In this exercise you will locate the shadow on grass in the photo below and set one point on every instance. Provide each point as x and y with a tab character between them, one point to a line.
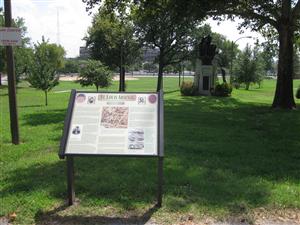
45	118
53	217
30	106
220	153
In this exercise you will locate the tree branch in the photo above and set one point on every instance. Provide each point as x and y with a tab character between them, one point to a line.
296	12
246	15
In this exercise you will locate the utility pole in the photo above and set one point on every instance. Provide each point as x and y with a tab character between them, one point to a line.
57	27
11	78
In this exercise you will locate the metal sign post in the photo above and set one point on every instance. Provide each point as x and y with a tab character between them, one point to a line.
107	104
70	174
14	125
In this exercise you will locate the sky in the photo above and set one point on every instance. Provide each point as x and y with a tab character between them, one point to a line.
42	16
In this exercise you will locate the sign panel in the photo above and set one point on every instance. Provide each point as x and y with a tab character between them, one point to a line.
113	124
10	36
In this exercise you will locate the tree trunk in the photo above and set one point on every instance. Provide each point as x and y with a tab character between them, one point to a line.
247	86
46	98
0	79
179	78
223	75
122	79
97	87
160	77
284	97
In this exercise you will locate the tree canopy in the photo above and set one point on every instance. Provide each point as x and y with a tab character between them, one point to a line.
42	74
272	18
280	18
160	25
95	73
111	40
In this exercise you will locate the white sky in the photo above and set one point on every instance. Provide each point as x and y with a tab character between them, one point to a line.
41	19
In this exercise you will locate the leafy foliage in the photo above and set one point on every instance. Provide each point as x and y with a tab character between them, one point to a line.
187	88
223	90
248	67
72	66
42	74
297	64
22	54
159	24
298	93
23	59
226	50
111	40
150	67
95	73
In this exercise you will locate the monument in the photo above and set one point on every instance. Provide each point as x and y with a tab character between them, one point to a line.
205	70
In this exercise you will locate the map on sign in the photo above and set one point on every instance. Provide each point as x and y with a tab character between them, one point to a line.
10	36
114	124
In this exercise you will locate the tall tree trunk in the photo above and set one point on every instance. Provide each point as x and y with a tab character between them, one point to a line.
223	75
247	86
122	79
46	98
97	87
179	78
160	69
160	77
284	97
0	79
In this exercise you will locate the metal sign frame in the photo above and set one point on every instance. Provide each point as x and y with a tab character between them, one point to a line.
70	156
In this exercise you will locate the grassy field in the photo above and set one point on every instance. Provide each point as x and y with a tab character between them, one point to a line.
224	157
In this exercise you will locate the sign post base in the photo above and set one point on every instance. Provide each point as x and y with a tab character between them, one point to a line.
160	181
70	174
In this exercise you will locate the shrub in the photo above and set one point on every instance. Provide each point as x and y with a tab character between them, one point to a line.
298	93
188	89
223	90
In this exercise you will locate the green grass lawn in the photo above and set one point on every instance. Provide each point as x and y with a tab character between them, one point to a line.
223	156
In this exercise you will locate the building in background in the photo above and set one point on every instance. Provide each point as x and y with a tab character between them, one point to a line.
84	53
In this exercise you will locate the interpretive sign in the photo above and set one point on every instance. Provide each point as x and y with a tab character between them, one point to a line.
10	36
113	124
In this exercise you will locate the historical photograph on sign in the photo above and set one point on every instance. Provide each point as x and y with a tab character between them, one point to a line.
76	131
80	98
136	139
91	100
114	117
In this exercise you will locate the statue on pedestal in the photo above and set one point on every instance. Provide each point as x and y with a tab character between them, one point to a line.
205	69
206	51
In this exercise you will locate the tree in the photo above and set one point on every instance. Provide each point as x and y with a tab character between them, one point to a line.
23	59
280	16
268	55
150	67
95	73
71	66
111	40
42	74
22	54
248	67
159	24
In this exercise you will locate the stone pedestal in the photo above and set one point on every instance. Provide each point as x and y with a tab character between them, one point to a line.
204	78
